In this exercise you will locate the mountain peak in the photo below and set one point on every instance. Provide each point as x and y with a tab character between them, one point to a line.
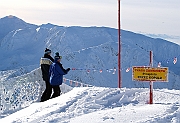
12	21
10	16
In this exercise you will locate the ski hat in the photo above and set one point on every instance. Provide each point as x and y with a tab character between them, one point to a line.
57	56
47	51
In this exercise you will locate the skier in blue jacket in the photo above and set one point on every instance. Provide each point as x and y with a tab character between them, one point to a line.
56	73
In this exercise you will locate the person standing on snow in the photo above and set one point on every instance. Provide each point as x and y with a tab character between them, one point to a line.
56	73
45	63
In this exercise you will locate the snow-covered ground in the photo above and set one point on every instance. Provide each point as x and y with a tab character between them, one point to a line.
103	105
20	103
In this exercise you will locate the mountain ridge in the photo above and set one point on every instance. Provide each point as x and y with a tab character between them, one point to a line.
93	48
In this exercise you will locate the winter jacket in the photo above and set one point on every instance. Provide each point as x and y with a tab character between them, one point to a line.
56	73
45	63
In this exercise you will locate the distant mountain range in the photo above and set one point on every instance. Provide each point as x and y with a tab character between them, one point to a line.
90	51
172	38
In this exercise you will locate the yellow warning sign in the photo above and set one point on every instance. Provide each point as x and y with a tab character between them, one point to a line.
150	74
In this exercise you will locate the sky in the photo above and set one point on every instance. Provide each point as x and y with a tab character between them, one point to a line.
145	16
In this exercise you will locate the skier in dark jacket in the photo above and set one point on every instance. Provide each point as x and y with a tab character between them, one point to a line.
56	73
45	63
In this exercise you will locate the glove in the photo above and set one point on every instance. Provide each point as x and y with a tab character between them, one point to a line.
68	69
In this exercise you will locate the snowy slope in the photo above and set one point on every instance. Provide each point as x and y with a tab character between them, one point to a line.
103	105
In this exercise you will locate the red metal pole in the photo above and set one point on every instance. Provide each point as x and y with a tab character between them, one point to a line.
151	83
119	47
151	93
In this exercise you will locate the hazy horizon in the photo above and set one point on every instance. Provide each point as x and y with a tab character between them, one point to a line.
153	17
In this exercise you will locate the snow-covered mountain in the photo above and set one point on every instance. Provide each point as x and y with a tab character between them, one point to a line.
172	38
91	53
88	50
12	23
